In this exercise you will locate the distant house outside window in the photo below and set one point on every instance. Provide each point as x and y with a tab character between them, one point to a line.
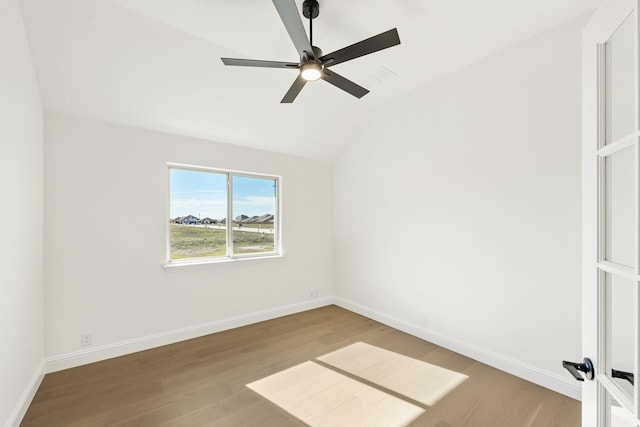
217	214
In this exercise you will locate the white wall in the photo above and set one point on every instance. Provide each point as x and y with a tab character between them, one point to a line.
460	203
21	217
105	219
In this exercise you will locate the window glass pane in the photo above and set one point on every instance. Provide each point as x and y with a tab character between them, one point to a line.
621	81
618	416
620	207
254	210
198	206
621	295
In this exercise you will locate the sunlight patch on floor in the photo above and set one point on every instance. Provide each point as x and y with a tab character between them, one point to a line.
322	397
415	379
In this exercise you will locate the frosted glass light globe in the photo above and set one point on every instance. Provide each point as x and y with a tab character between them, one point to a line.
311	71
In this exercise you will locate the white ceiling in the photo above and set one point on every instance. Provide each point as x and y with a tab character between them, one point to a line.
156	63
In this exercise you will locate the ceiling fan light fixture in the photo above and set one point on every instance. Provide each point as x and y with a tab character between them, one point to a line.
311	71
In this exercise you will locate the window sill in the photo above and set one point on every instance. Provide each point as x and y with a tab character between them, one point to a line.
171	267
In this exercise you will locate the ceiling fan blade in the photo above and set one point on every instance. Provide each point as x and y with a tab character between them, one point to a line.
258	63
345	84
372	44
294	90
290	16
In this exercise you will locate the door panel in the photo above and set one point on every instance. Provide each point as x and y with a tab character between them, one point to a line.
610	215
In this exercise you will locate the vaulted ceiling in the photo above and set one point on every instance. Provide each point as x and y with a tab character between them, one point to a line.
156	63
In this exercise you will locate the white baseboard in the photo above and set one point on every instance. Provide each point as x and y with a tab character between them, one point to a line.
522	370
83	357
27	396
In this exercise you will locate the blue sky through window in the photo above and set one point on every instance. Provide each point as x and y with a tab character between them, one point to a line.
203	194
253	196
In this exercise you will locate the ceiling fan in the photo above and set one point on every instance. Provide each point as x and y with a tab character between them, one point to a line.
313	64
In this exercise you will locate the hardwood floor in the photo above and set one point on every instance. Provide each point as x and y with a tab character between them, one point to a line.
201	382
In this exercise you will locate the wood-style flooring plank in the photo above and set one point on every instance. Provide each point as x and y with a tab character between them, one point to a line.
202	382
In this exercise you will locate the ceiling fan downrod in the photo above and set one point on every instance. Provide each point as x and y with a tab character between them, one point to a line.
311	10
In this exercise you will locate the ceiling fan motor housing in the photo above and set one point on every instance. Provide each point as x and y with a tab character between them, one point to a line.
310	9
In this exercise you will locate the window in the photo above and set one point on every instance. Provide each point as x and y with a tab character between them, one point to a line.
217	214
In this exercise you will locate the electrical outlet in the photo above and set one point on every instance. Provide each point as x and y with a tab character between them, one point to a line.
313	294
86	339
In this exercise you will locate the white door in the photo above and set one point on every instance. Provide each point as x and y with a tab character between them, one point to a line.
610	215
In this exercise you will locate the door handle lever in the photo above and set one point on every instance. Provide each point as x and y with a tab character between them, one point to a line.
623	375
575	368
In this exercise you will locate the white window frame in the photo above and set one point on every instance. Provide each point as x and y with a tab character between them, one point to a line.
230	256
